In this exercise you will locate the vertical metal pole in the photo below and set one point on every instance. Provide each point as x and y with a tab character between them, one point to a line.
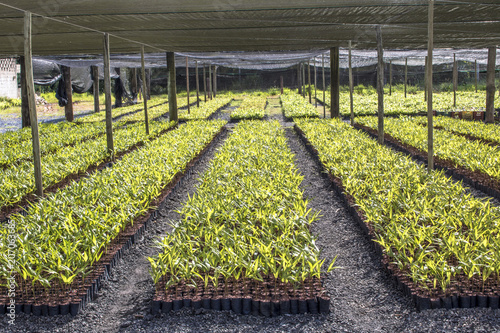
430	125
380	86
490	85
187	84
30	85
197	86
455	80
107	91
406	74
309	80
205	82
334	82
95	84
145	100
324	84
172	87
351	86
281	84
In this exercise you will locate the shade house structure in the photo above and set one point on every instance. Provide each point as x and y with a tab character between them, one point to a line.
251	35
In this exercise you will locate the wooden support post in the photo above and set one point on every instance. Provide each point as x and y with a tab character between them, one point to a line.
324	84
406	74
425	80
315	84
455	80
187	83
299	79
309	81
149	84
390	77
95	85
30	89
118	93
210	88
334	82
281	84
430	125
214	88
475	72
304	92
143	72
107	92
205	82
239	79
172	88
197	86
25	109
490	85
68	108
380	85
351	86
134	83
208	85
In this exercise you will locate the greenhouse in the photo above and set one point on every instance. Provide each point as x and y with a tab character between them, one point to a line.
235	166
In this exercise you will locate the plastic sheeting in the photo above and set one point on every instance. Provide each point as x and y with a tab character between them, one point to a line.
47	72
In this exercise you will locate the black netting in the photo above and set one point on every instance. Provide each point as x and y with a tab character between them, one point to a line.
247	70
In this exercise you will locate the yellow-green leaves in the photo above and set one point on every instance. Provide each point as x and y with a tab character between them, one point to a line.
427	225
252	107
295	106
247	218
66	233
471	154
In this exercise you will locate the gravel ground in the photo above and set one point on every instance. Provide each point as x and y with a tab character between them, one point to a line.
362	297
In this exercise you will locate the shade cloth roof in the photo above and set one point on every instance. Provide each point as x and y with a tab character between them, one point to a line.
237	25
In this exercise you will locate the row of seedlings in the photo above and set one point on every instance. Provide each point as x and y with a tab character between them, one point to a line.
440	243
52	138
206	110
123	111
252	107
295	106
472	160
65	244
243	242
488	133
154	112
17	182
366	102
